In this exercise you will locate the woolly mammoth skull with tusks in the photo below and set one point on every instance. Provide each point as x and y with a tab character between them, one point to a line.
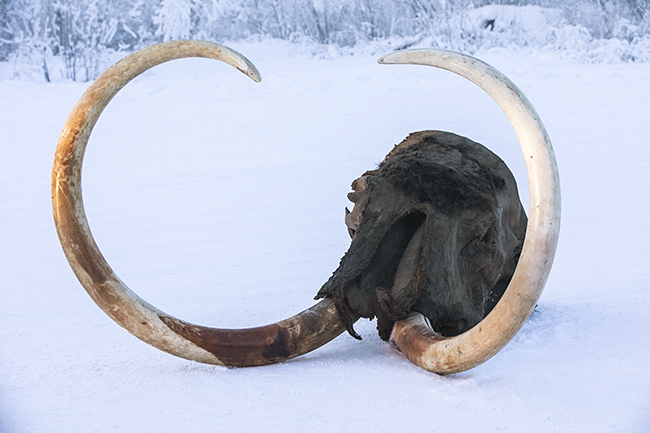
437	231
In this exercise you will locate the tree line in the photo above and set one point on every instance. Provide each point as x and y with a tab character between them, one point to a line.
79	33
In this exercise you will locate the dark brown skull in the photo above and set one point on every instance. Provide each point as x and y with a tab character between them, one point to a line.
437	229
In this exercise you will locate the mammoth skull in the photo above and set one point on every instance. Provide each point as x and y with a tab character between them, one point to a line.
437	232
437	228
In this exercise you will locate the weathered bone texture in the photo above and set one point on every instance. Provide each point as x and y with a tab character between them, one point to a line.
412	336
437	229
232	347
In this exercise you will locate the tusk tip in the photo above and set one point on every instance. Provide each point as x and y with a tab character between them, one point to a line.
254	75
249	70
396	57
385	59
241	63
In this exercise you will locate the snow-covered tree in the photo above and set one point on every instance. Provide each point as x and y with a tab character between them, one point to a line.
175	19
80	33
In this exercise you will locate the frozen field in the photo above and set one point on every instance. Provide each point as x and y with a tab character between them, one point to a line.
220	201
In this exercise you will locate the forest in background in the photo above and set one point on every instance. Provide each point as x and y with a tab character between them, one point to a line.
76	39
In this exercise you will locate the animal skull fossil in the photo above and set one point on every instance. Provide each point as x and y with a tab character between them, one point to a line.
437	228
492	229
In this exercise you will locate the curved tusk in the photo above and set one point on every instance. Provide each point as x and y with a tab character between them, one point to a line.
454	354
232	347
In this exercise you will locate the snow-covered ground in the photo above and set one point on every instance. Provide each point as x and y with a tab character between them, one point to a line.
221	202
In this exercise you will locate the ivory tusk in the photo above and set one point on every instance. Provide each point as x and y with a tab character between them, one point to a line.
454	354
232	347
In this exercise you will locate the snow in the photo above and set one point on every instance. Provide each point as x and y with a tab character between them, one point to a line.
220	201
